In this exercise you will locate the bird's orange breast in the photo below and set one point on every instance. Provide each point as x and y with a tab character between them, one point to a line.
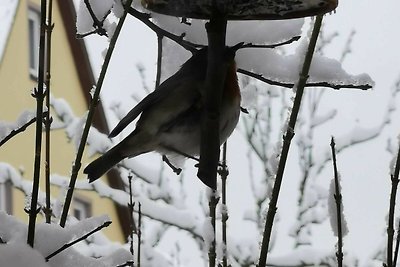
231	89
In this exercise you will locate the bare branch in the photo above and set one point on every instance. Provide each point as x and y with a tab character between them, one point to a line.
70	244
145	18
390	228
250	45
19	130
313	84
338	200
287	141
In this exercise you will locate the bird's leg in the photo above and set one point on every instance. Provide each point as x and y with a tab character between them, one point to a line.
174	169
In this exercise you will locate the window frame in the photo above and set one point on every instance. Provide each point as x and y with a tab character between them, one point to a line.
83	205
6	197
33	40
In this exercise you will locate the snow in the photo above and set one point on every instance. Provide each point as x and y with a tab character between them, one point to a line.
7	127
208	233
20	254
50	237
262	32
7	14
332	208
270	63
285	68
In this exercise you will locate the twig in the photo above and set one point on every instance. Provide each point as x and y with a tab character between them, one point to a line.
390	229
128	263
224	175
313	84
48	121
144	17
97	24
70	244
338	200
159	59
212	205
287	141
250	45
396	251
19	130
131	205
93	105
39	95
139	234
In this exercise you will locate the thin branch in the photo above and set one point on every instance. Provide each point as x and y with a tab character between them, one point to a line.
128	263
260	77
19	130
212	255
97	24
338	200
48	121
131	205
159	59
92	108
396	251
287	141
39	95
390	229
139	234
70	244
250	45
145	18
224	175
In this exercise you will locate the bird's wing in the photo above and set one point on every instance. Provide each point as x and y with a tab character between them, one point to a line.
151	99
133	113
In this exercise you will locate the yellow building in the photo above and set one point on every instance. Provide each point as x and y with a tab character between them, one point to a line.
71	79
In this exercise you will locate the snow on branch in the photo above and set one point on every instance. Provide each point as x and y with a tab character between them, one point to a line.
165	213
282	70
50	236
9	130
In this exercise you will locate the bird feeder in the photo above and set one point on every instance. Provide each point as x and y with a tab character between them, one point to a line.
218	12
242	9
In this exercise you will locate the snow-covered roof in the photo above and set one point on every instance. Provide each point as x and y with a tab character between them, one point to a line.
7	15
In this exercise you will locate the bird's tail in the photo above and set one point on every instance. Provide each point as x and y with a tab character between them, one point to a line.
101	165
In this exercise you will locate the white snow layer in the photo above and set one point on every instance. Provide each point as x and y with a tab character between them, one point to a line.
269	62
7	127
48	238
7	14
20	254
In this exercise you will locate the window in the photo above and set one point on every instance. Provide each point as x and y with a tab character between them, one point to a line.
5	197
82	208
34	35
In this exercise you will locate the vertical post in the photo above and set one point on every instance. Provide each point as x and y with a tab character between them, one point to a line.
39	95
224	215
49	29
215	78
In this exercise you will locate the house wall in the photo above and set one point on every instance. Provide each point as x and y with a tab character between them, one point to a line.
15	89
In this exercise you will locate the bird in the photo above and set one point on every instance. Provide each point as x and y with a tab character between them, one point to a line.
170	116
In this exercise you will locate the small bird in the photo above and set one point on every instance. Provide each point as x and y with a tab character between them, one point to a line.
170	120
